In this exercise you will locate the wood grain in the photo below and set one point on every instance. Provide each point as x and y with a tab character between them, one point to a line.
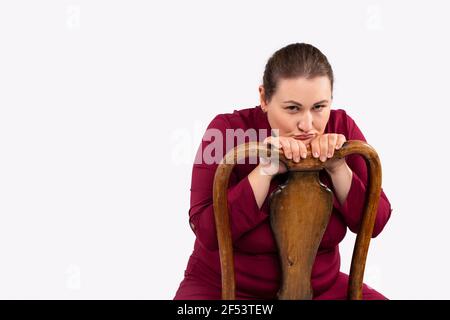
300	210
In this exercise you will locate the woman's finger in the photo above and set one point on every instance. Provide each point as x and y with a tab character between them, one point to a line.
332	140
295	150
315	147
303	149
340	141
286	148
323	141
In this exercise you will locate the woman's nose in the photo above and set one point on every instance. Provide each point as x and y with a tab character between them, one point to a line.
305	123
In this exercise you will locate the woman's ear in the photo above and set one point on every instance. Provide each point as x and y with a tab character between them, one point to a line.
262	98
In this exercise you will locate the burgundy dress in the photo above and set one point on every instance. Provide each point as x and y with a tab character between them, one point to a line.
256	261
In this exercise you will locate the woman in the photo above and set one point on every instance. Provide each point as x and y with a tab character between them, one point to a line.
296	98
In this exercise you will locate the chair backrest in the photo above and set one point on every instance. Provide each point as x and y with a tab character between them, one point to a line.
299	214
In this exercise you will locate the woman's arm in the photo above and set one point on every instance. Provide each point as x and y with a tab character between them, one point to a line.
244	199
349	185
341	178
260	183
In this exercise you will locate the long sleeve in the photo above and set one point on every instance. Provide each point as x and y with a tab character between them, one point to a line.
352	208
242	205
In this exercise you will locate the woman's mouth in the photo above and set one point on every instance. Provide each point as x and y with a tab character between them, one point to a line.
304	136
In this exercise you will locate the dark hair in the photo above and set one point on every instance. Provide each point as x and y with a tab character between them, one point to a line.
292	61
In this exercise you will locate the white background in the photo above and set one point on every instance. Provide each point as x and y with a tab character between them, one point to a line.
103	103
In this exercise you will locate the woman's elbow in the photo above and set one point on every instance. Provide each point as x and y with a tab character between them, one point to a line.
206	237
381	221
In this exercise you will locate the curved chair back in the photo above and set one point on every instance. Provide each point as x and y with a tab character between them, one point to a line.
299	213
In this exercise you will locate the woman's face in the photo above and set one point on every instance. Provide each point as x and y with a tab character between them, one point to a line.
299	106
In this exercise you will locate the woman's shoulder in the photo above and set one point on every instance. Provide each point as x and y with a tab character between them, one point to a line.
340	122
239	119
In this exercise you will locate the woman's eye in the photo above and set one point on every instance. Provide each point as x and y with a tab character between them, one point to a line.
292	108
319	107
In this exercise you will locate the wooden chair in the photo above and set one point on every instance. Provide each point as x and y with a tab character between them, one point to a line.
299	214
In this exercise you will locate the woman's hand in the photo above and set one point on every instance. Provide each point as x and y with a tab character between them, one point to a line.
292	149
323	147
